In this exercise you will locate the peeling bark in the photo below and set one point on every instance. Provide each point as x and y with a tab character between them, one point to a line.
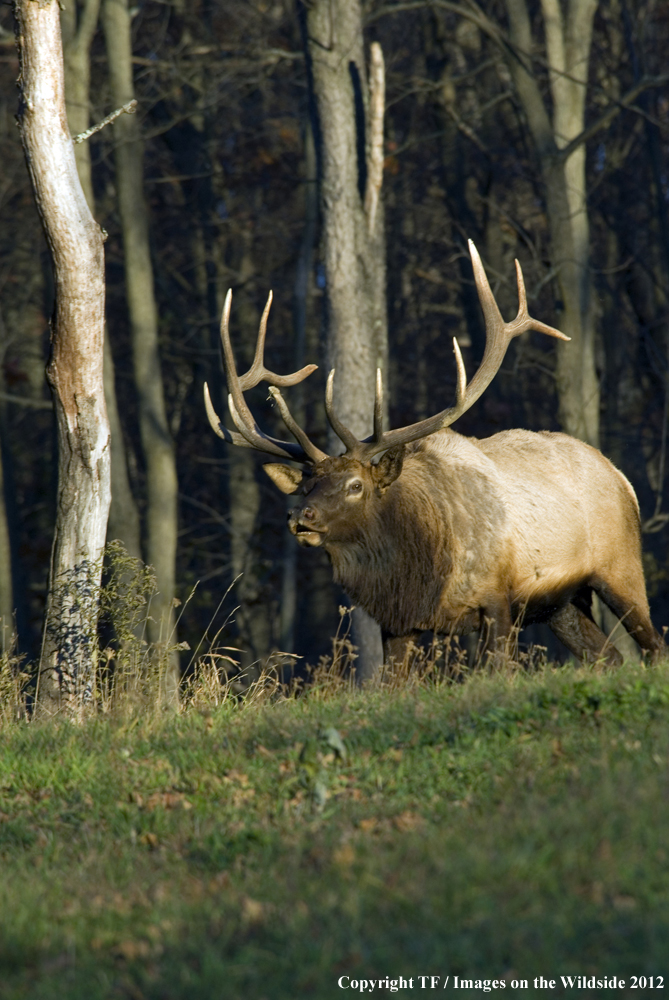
75	369
77	37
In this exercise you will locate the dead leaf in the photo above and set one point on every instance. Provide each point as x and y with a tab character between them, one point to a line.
167	800
408	821
344	856
604	851
233	775
242	795
253	911
368	825
220	881
132	950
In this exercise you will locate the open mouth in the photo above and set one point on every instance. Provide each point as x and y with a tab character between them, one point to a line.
308	536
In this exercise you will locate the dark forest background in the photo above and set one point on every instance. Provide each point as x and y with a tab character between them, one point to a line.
230	178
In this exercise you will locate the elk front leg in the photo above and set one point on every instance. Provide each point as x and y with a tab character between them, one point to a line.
397	647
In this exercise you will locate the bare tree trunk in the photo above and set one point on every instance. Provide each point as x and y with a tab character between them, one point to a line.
254	615
123	513
6	587
568	40
349	131
74	370
157	444
77	37
301	297
7	557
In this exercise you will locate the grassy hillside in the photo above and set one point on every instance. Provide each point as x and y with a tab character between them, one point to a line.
504	827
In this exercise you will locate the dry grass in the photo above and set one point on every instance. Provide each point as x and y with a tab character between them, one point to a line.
130	670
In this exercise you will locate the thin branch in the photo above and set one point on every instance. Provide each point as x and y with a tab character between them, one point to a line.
36	404
129	109
467	130
477	17
608	116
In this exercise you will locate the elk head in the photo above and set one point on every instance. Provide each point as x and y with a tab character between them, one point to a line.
339	493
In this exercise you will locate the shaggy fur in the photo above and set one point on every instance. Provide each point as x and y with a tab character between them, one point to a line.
451	531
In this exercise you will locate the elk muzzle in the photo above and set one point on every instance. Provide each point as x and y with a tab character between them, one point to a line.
304	524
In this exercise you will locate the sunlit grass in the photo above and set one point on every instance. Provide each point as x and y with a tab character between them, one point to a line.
509	825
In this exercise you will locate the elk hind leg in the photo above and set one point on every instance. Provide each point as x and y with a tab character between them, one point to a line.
622	597
582	637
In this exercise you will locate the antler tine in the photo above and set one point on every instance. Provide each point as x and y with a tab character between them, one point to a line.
257	373
343	433
493	317
498	337
498	334
250	434
523	320
255	438
309	448
462	374
234	383
378	406
247	439
218	426
256	370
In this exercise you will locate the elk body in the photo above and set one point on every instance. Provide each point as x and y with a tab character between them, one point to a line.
456	534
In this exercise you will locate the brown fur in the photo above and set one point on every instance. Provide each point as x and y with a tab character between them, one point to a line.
451	531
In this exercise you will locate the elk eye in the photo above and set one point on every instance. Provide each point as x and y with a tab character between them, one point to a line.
355	487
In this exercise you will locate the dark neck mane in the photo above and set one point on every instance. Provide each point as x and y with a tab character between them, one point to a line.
398	567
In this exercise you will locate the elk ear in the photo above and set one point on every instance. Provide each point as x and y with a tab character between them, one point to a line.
388	468
283	476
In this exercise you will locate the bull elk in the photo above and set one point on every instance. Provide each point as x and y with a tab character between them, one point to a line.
454	534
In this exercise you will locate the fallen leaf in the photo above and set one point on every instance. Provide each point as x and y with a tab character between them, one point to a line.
344	856
408	821
369	824
131	950
252	910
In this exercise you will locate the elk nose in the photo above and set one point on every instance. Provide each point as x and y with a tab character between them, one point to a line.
308	513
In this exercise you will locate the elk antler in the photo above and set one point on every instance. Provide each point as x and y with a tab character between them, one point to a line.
498	337
250	435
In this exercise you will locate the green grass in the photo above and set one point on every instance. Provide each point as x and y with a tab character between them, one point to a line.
505	827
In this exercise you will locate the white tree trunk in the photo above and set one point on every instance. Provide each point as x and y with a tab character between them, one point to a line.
75	369
78	31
